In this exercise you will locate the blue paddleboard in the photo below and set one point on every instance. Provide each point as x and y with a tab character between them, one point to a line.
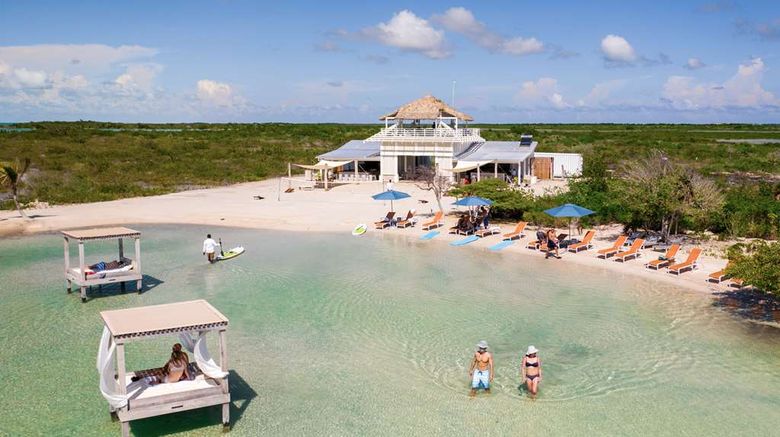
501	245
429	235
467	240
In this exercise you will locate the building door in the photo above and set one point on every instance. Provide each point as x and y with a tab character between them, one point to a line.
543	168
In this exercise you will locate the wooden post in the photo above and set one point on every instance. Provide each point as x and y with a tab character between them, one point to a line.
495	169
82	269
326	178
121	248
478	176
139	284
289	170
66	244
120	372
356	170
223	363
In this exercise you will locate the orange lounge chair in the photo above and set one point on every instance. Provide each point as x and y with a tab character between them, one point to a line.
688	264
435	223
407	221
584	244
719	276
605	253
388	220
668	258
632	251
482	233
736	282
517	233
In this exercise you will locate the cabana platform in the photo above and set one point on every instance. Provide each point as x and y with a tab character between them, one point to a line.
190	321
126	270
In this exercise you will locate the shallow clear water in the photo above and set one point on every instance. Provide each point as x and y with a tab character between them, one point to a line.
335	335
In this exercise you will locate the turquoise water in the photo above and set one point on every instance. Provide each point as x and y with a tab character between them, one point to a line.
335	335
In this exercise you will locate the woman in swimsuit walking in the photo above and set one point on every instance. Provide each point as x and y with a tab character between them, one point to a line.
531	370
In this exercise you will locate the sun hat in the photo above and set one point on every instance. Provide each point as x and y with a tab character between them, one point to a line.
482	344
531	350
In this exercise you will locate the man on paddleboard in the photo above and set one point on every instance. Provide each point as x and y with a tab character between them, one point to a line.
209	248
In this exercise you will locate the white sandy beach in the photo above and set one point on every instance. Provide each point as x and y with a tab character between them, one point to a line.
336	210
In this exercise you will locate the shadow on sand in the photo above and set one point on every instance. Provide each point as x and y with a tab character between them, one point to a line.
749	304
241	394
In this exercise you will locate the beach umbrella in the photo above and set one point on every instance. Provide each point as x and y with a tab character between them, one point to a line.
390	195
473	201
569	210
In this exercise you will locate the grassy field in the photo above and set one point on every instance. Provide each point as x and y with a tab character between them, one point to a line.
90	161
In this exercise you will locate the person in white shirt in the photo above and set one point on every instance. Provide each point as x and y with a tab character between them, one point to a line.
209	248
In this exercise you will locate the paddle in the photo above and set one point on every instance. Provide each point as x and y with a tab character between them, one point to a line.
221	252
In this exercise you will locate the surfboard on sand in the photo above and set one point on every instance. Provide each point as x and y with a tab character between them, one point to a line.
360	229
501	245
429	235
465	241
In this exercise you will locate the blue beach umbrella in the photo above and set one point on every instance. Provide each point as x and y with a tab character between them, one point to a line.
569	210
390	195
473	201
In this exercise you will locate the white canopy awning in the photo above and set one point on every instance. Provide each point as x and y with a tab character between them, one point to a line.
323	165
468	165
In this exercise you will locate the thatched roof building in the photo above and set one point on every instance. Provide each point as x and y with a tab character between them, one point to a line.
426	108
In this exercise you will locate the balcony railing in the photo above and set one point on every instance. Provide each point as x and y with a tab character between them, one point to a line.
394	133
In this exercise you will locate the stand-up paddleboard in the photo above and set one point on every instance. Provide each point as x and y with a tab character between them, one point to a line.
230	254
465	241
429	235
360	230
501	245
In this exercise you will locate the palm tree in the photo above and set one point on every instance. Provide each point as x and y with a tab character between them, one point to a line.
10	176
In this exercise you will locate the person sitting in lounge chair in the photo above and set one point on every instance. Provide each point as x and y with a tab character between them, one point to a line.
459	225
541	240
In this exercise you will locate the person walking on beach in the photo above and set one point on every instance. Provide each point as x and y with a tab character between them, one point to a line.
481	369
210	248
531	370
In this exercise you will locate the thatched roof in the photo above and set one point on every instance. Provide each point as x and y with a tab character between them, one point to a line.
426	108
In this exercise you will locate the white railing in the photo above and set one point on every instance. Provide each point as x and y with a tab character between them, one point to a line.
394	133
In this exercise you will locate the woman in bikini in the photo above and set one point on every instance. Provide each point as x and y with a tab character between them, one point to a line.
531	370
176	369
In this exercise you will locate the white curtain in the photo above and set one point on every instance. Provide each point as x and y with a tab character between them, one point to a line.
200	350
109	386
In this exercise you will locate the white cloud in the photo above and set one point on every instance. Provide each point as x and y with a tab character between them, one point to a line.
408	32
217	94
743	90
616	49
694	64
601	92
542	93
462	20
138	77
78	57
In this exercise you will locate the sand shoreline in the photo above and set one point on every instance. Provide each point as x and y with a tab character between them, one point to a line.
334	211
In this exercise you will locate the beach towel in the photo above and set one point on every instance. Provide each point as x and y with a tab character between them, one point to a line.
429	235
501	245
467	240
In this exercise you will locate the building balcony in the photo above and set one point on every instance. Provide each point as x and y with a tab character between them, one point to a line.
437	134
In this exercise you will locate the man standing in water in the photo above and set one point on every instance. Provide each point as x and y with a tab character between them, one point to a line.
209	248
481	369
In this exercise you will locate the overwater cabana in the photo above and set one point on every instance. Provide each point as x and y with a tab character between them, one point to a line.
122	270
191	322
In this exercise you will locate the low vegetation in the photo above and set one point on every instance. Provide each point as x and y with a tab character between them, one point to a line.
756	264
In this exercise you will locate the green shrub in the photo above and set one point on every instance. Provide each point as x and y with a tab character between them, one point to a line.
757	264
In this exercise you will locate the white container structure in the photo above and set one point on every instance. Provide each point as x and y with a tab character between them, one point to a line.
84	277
191	322
564	165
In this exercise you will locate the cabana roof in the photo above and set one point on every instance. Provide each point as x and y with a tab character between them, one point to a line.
355	150
426	108
196	315
497	151
101	233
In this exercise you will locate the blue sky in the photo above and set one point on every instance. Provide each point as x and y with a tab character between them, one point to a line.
347	61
